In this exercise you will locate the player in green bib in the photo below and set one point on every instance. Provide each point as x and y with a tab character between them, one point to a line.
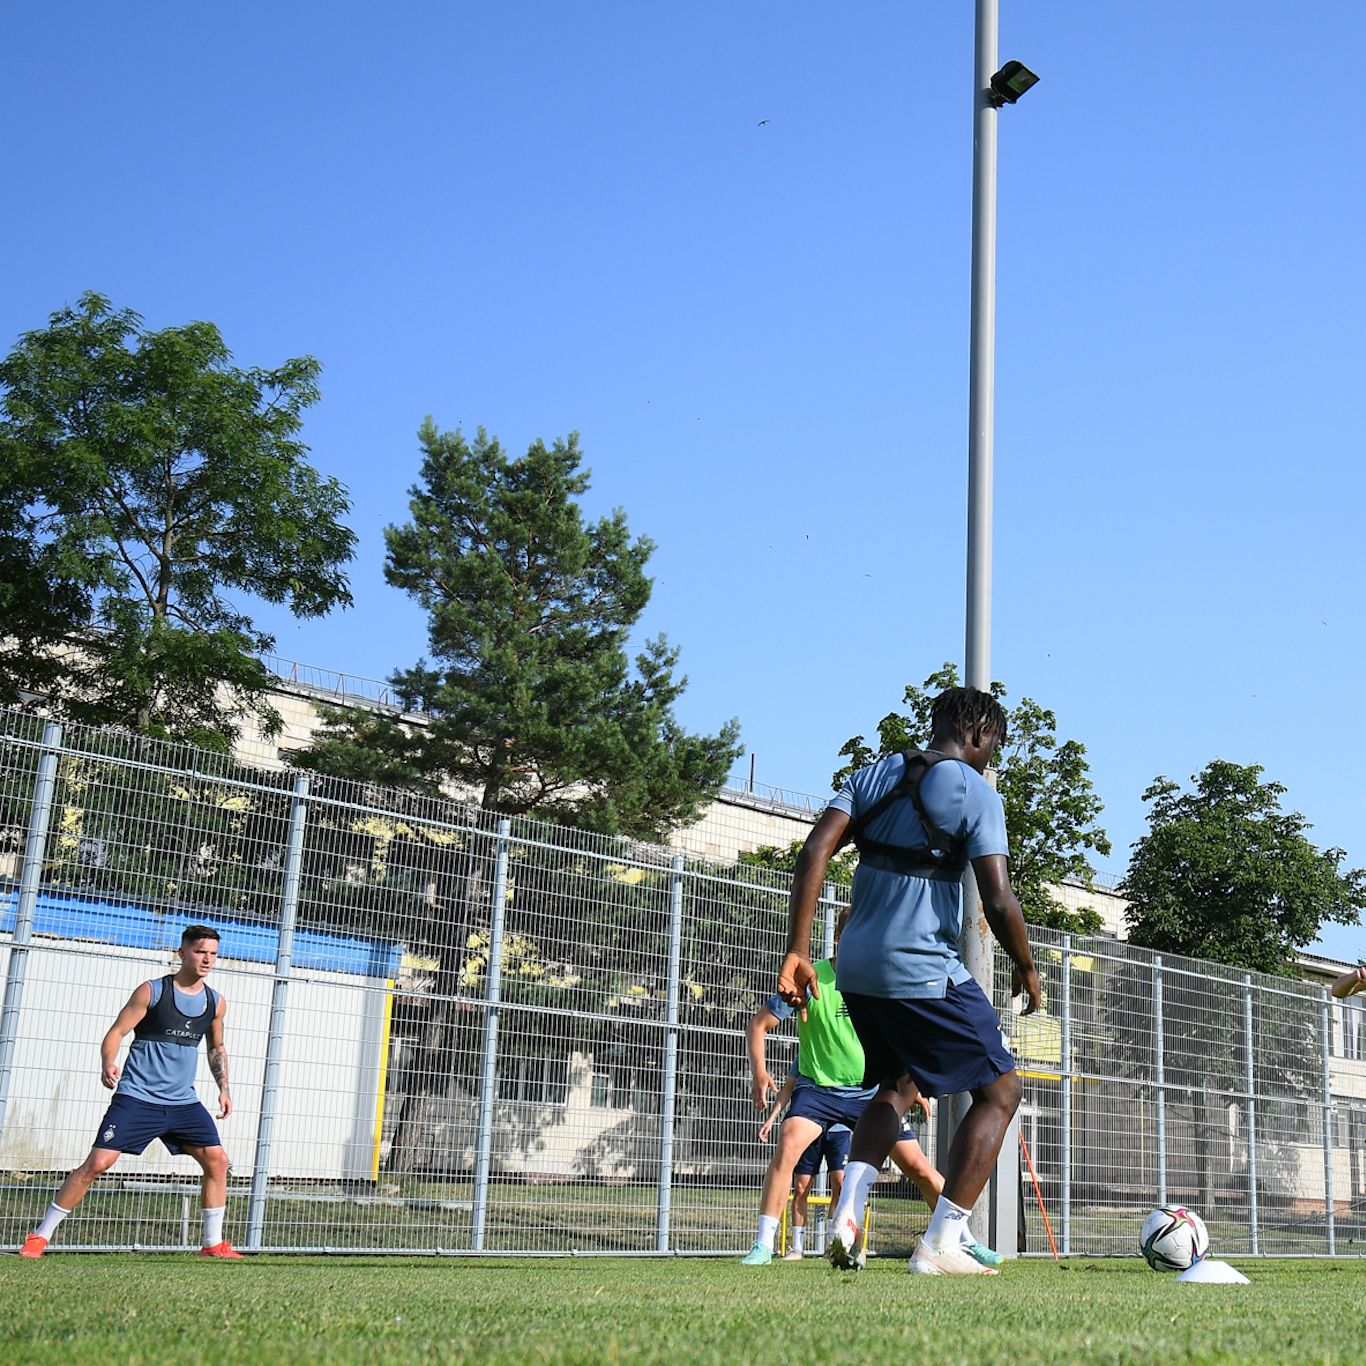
827	1091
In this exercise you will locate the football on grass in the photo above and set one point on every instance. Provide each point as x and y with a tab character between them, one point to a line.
1174	1238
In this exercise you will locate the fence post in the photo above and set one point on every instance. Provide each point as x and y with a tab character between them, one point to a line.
830	914
668	1097
1065	1067
279	999
1329	1203
1251	1115
488	1078
1160	1052
35	849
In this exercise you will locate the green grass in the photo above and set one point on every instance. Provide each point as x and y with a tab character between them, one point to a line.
143	1309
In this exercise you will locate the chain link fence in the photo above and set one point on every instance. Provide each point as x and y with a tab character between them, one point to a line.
453	1033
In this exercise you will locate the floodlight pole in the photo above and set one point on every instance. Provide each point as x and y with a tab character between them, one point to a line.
997	1208
982	353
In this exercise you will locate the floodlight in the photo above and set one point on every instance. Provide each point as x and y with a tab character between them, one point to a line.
1009	83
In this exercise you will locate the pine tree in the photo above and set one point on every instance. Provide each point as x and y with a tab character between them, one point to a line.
532	701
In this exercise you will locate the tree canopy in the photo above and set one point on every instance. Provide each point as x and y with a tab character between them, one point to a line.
1224	873
1052	810
529	697
147	481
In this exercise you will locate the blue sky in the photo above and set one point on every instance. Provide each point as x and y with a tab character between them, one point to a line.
544	218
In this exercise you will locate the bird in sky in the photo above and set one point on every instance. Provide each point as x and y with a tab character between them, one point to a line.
762	122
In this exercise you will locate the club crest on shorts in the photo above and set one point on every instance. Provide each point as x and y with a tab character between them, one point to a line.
108	1133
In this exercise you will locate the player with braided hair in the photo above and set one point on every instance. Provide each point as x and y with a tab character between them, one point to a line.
918	819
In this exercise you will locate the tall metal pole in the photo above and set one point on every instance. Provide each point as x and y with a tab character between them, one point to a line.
669	1096
35	850
488	1079
982	354
279	1001
1160	1057
997	1208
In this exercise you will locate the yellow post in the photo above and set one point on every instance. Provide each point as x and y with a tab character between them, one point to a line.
826	1200
383	1078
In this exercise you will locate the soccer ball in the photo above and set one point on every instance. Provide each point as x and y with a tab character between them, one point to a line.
1174	1238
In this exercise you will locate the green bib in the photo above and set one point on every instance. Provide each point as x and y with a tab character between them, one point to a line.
828	1050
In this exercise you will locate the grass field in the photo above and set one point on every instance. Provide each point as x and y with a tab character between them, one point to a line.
144	1309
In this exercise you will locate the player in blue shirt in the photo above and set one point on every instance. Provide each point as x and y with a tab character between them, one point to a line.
154	1092
918	819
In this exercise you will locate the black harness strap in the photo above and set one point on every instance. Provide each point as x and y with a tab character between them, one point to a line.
942	859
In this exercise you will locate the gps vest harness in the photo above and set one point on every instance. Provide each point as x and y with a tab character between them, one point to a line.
942	859
165	1022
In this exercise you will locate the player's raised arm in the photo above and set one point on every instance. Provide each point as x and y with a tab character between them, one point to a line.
124	1024
1002	910
218	1059
796	977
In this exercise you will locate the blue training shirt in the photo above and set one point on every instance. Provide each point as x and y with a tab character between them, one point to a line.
164	1073
901	938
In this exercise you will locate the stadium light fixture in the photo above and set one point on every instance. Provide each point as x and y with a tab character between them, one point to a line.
1009	83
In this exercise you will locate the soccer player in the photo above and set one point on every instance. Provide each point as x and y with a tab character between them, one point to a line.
832	1149
917	820
827	1090
154	1093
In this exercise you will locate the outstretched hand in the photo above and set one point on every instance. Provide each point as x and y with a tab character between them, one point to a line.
797	982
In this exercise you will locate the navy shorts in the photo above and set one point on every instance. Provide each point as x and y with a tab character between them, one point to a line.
130	1125
825	1106
944	1045
832	1146
911	1124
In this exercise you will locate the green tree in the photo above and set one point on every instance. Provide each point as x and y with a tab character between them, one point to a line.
151	481
1051	808
531	699
1224	874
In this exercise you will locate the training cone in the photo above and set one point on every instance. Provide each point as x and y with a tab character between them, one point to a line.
1205	1272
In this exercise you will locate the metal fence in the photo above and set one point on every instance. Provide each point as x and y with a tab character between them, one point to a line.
451	1033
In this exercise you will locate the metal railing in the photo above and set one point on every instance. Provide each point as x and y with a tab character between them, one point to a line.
453	1033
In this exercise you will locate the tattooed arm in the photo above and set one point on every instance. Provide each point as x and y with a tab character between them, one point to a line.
218	1059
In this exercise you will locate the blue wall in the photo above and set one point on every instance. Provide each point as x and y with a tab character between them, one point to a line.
66	916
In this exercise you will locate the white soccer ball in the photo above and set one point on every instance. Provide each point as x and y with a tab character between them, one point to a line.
1174	1238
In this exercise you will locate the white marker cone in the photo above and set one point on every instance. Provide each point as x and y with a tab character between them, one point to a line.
1206	1272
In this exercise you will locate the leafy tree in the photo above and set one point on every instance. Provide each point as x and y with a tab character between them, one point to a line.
784	860
531	700
1224	874
1051	808
149	480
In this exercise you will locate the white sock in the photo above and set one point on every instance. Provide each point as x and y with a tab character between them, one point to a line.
213	1225
768	1230
945	1224
54	1216
799	1239
965	1234
858	1181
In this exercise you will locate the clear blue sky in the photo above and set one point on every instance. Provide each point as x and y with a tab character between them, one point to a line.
544	218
